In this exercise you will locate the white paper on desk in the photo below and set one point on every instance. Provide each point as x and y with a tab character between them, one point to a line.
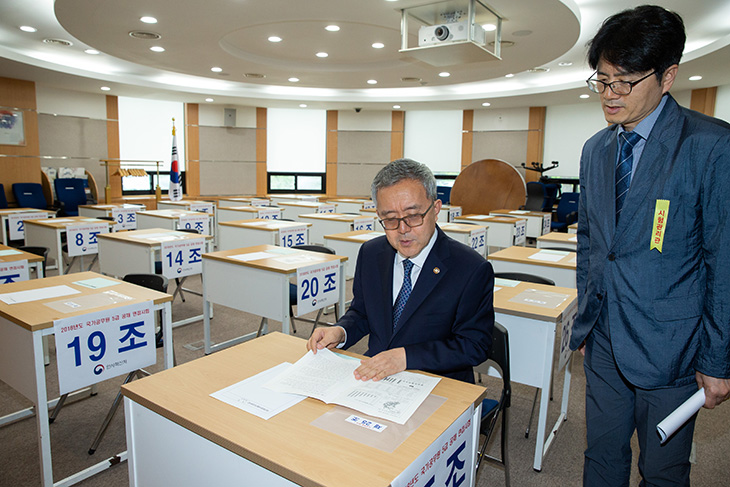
61	220
367	236
249	395
679	416
519	212
148	236
252	256
4	253
328	376
549	255
506	282
298	259
37	294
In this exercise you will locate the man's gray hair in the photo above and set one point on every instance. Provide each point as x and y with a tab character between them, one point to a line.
400	169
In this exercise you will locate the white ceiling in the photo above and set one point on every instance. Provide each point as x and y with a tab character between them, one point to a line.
232	34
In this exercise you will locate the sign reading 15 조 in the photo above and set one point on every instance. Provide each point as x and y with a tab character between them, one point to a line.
293	236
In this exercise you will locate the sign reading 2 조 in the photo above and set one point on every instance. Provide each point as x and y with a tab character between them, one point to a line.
16	223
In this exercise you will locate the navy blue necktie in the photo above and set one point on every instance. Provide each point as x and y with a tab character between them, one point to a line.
404	293
627	141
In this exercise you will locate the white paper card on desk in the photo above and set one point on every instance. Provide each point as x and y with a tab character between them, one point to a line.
543	299
669	425
328	376
97	282
249	395
253	256
506	282
549	255
37	294
4	253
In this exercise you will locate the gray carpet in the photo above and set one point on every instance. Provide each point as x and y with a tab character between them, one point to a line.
76	426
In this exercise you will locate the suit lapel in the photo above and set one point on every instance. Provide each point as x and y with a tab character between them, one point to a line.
385	262
605	182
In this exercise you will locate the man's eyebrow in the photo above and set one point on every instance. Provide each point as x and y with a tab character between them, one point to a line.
412	207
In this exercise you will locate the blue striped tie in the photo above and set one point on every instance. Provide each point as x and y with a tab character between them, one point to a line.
404	293
627	140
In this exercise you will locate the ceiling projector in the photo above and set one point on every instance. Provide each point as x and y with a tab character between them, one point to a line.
431	35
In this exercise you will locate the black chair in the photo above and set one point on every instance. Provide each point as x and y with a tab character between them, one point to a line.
155	282
566	213
518	276
492	409
30	195
3	198
70	193
42	251
535	196
293	293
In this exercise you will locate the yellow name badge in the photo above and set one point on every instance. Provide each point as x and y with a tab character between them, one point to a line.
661	212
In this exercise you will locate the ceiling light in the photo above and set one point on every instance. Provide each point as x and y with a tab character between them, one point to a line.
274	39
372	82
565	64
145	35
396	107
58	42
92	51
585	95
294	80
322	54
510	75
254	75
489	27
28	28
157	49
105	88
302	105
148	20
444	74
378	45
209	100
332	28
486	104
538	70
695	78
216	69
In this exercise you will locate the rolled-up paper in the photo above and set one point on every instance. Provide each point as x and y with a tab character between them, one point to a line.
679	416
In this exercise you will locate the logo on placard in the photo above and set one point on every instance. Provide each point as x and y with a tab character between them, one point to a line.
83	248
314	302
179	270
98	369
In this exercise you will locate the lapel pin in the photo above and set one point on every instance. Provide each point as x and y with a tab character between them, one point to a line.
436	270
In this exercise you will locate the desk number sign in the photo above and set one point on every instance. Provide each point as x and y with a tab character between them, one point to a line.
366	223
82	239
520	232
182	257
97	346
546	220
292	236
259	202
454	212
17	226
326	208
198	221
269	213
202	207
368	205
14	271
478	240
124	219
317	286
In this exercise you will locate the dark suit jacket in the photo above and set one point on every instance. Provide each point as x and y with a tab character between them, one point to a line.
446	326
669	311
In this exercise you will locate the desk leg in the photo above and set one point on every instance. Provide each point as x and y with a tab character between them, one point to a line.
340	309
206	320
41	413
286	316
167	334
59	253
547	368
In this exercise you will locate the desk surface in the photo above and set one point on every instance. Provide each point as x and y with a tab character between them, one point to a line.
156	238
263	224
522	255
502	303
17	255
171	214
186	202
559	237
519	213
287	444
247	208
66	221
335	217
458	227
358	236
306	204
12	211
490	218
110	207
34	316
274	264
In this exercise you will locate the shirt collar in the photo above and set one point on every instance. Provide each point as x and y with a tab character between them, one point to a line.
420	259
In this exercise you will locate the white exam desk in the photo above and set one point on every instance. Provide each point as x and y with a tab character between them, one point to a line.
177	434
241	201
246	233
278	198
295	209
348	244
22	329
533	330
462	232
528	260
169	219
95	211
243	212
329	223
538	222
194	205
558	240
11	254
351	205
6	213
503	231
259	287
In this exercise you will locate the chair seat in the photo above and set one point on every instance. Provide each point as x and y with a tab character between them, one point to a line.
488	407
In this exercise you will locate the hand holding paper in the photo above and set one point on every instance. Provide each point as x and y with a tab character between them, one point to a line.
669	425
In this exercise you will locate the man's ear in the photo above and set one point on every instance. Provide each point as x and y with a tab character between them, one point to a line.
670	74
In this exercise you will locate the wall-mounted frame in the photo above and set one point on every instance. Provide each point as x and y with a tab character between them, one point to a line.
12	129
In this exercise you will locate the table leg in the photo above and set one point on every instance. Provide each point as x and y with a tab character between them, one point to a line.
547	368
286	316
41	410
167	334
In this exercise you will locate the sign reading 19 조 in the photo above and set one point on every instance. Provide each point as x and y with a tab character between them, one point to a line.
317	286
97	346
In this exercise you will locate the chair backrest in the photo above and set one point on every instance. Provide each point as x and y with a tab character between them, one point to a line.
3	198
188	230
535	196
568	204
42	251
70	193
29	195
499	355
316	248
519	276
156	282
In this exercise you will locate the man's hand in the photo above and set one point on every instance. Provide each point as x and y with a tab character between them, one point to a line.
328	337
716	390
382	365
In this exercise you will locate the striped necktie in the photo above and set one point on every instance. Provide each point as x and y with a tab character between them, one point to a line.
627	141
404	293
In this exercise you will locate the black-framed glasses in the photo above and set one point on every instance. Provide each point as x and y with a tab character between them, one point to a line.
618	87
410	220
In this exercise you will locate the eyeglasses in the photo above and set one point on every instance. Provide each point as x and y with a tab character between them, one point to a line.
410	220
618	87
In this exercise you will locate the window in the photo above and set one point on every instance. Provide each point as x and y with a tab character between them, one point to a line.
289	182
147	185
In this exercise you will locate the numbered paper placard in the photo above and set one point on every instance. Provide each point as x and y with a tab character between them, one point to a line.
202	207
81	239
368	205
366	223
520	232
16	223
182	257
124	219
326	208
198	221
317	286
454	212
478	240
269	213
14	271
292	236
259	202
105	344
546	221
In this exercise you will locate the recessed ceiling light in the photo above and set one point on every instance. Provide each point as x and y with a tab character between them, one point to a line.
372	82
157	49
92	51
322	54
489	27
209	100
302	105
105	88
58	42
254	75
274	39
444	74
396	107
486	104
28	28
148	20
332	28
585	95
216	69
510	75
565	64
145	35
294	80
695	78
378	45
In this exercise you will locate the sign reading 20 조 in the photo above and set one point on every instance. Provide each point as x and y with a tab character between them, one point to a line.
317	286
